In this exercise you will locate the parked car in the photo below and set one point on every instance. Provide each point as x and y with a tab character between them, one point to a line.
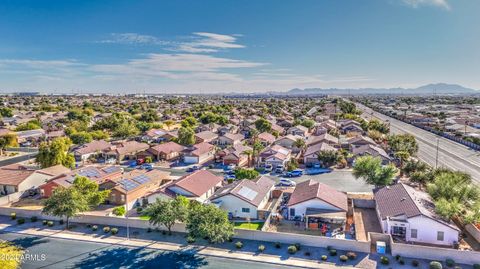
279	169
140	161
110	161
146	166
294	173
286	183
268	168
132	164
192	169
229	177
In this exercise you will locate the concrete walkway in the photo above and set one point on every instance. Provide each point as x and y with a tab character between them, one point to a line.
200	250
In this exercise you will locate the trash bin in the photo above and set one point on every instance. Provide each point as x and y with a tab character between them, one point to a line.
381	247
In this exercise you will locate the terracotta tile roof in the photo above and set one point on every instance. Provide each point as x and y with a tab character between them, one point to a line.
308	190
198	182
201	148
267	137
314	139
318	147
234	137
14	174
206	135
167	148
128	147
250	191
156	132
55	170
92	147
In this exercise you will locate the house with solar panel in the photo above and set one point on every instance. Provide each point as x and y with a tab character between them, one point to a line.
133	186
245	198
97	174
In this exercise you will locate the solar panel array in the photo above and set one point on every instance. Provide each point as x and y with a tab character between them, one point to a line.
142	179
128	184
70	179
111	169
248	193
89	173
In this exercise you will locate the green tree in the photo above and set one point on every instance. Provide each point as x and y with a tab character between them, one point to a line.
448	209
69	202
186	136
403	142
263	125
308	123
300	144
328	157
55	152
242	173
168	212
149	116
119	211
208	221
10	255
371	170
8	140
27	126
6	112
80	138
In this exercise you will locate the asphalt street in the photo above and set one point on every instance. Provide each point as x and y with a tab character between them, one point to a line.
450	154
45	252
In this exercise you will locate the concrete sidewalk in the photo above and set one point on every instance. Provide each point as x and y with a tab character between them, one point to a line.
200	250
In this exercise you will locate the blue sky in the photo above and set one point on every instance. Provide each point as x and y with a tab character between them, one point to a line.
244	46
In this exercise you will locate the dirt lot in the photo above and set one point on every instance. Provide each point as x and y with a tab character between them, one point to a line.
365	221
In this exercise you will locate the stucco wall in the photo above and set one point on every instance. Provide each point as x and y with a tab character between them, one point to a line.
314	203
234	205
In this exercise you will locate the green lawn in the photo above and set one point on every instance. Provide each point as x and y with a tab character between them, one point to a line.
144	217
249	226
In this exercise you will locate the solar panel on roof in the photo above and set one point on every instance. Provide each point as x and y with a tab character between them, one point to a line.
111	169
247	193
70	180
142	179
89	173
128	184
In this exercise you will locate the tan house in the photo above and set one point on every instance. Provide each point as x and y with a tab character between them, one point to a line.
167	151
199	153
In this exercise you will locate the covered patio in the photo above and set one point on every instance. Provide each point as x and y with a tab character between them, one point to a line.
330	223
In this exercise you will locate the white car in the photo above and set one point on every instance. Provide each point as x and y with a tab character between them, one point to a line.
268	168
286	183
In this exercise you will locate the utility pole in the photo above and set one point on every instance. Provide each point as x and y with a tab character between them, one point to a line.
126	208
436	157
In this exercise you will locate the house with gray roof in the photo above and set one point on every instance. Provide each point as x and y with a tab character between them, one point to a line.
409	215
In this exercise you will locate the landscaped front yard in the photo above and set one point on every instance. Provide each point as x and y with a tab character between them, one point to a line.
249	225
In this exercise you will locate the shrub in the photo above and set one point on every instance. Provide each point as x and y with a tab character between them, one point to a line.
13	215
476	266
50	223
114	230
384	260
94	227
106	229
261	248
401	261
297	245
333	252
397	257
324	257
139	210
149	230
450	262
20	221
278	245
34	219
435	265
119	211
61	222
329	248
307	253
292	249
89	226
415	263
44	222
239	244
351	255
343	258
191	239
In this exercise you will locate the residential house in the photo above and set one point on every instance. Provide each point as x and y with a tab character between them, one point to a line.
299	130
205	136
229	139
155	135
234	155
288	142
324	138
314	199
409	215
371	150
94	148
18	178
358	141
310	157
245	198
199	185
97	174
167	151
30	137
125	150
199	153
276	156
266	139
351	127
133	186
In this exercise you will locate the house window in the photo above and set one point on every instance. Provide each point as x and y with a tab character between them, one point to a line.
292	212
245	210
413	233
122	197
440	236
113	196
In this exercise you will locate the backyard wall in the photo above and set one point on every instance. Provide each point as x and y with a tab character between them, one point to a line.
474	231
364	203
11	198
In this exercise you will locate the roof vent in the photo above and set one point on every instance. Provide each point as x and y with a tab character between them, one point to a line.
403	199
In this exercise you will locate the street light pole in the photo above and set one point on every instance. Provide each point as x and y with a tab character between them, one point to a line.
436	156
126	208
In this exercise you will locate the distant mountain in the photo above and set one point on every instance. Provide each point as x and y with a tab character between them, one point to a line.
437	88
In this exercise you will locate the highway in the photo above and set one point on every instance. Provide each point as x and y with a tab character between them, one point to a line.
450	154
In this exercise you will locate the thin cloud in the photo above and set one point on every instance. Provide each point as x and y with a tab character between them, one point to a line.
437	3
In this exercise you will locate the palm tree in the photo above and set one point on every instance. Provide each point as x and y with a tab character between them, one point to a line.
300	144
249	153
